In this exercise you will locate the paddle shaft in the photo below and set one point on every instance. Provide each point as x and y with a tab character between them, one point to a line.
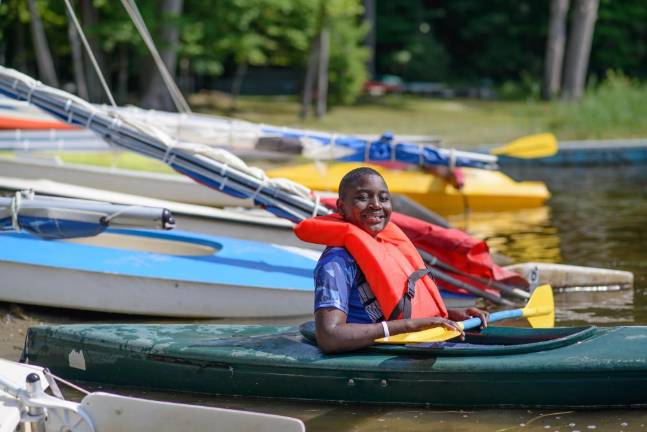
434	261
469	288
496	316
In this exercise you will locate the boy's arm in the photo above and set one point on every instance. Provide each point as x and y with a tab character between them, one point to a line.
335	335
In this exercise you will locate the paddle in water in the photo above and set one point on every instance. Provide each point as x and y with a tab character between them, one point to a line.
539	311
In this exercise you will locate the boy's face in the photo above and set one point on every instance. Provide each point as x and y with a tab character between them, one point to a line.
366	203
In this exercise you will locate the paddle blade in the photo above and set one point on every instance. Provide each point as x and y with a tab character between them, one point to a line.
540	310
529	147
434	334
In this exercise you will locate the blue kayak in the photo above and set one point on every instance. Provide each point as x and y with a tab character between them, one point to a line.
147	272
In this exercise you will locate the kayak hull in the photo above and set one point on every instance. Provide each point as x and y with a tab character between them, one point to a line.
484	190
580	367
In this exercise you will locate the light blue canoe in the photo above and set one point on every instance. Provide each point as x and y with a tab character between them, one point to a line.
589	153
159	273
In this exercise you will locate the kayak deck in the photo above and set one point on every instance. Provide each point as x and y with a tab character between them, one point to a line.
576	367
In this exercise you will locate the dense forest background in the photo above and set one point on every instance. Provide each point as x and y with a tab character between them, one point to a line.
251	45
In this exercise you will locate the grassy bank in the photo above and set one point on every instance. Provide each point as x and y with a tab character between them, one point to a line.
615	109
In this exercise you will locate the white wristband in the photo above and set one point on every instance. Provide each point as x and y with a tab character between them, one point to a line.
386	329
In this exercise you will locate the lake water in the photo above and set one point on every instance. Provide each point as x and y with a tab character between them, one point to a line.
596	217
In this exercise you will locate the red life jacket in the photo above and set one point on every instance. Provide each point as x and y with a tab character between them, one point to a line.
393	268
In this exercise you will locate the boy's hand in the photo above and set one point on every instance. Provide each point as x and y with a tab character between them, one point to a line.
467	313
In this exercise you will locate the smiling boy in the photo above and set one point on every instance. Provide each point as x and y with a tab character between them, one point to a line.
370	281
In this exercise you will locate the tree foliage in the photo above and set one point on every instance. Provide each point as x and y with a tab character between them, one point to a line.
425	40
215	37
498	39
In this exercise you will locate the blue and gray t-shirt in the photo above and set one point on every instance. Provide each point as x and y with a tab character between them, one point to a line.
340	283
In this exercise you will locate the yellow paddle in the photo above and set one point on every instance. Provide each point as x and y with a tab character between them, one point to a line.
540	312
529	147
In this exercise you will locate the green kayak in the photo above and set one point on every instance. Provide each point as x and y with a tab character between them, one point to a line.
501	366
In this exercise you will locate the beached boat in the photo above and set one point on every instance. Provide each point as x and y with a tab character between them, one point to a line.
65	253
241	223
484	190
570	278
70	140
158	273
25	405
212	167
501	366
21	115
588	153
165	186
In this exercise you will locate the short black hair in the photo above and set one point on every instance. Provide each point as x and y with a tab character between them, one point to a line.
352	176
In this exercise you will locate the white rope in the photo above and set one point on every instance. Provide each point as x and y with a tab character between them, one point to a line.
261	185
223	184
67	383
15	210
168	157
452	159
367	150
90	117
88	50
333	141
315	209
32	87
16	204
176	95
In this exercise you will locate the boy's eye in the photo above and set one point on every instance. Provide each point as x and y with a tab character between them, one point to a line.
361	197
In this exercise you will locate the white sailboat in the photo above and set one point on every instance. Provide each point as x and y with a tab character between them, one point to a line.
25	405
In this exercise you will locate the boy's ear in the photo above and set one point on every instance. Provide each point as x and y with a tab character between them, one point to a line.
339	204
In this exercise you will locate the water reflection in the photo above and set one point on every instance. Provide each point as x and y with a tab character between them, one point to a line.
523	235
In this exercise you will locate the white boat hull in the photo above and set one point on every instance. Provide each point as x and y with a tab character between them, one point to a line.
104	292
573	278
154	185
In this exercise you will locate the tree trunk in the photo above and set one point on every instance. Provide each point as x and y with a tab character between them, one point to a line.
241	70
555	43
156	94
90	20
579	48
308	82
185	79
322	75
370	40
44	58
122	72
20	50
77	60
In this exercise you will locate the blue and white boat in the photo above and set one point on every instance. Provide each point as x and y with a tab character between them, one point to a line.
146	272
67	254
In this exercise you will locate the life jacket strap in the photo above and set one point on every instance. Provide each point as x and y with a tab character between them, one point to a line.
404	305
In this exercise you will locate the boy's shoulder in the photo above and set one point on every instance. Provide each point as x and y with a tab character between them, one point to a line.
336	254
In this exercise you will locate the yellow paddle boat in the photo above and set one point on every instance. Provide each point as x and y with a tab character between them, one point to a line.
484	190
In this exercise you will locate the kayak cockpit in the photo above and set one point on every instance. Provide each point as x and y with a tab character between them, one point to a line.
493	340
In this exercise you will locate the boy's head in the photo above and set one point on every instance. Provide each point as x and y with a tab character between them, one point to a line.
364	200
